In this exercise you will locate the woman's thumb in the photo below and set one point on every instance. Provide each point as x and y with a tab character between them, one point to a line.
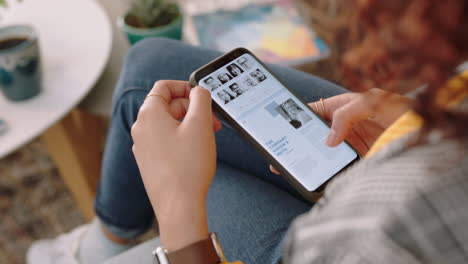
199	110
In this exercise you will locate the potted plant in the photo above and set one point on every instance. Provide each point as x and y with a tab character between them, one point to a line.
3	3
151	18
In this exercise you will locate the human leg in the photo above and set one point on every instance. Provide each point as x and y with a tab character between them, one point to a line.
157	59
250	216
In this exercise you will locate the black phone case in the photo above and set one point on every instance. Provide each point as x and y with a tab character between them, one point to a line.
197	75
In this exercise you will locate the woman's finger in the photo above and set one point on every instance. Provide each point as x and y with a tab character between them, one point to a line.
216	123
344	118
274	170
326	107
171	89
165	103
199	112
178	108
317	109
164	91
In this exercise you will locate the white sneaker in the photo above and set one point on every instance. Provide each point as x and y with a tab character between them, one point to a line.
63	249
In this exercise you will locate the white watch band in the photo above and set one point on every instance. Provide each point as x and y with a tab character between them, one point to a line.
217	246
160	254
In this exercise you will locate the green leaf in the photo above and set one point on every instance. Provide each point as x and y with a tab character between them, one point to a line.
152	13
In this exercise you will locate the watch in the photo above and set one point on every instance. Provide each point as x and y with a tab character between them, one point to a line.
206	251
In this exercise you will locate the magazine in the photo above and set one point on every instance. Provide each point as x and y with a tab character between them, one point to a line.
273	32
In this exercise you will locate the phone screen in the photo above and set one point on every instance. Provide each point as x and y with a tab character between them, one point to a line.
277	120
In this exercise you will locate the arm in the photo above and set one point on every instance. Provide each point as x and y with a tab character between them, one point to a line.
178	164
360	118
166	160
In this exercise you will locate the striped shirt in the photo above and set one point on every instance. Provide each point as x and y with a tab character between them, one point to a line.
401	205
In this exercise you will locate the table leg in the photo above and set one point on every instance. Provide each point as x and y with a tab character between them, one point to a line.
75	145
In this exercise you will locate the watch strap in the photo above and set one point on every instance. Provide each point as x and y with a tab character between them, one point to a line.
201	252
160	256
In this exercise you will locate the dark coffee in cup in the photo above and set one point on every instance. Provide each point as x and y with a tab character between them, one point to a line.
11	42
20	75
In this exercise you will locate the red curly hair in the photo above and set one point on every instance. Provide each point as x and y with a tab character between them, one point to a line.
400	45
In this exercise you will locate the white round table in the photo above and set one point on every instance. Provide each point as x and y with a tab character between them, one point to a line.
75	39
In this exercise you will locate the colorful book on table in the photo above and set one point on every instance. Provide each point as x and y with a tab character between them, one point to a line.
273	32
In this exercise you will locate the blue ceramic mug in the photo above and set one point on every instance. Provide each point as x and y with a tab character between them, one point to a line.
20	73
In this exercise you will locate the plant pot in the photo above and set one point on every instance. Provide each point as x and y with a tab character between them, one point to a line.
172	30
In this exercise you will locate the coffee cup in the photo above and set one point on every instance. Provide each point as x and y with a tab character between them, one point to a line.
20	71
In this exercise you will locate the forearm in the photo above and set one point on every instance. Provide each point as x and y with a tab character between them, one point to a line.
182	224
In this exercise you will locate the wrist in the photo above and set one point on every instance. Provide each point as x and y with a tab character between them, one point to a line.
182	224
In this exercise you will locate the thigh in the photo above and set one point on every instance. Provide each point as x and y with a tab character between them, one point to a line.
250	216
121	200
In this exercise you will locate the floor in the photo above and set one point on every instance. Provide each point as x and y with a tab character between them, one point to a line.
34	202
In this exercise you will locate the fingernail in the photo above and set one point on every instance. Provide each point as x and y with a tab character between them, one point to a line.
331	138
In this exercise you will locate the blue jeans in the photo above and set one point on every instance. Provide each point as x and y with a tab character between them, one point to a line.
249	207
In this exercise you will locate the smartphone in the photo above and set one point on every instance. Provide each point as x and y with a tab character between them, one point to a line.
270	116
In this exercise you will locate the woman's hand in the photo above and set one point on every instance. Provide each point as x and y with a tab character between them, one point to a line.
360	118
177	159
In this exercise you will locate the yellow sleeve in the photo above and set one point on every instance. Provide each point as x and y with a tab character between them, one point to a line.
407	123
451	95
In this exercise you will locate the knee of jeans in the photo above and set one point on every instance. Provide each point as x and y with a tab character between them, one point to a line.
146	62
127	106
153	51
